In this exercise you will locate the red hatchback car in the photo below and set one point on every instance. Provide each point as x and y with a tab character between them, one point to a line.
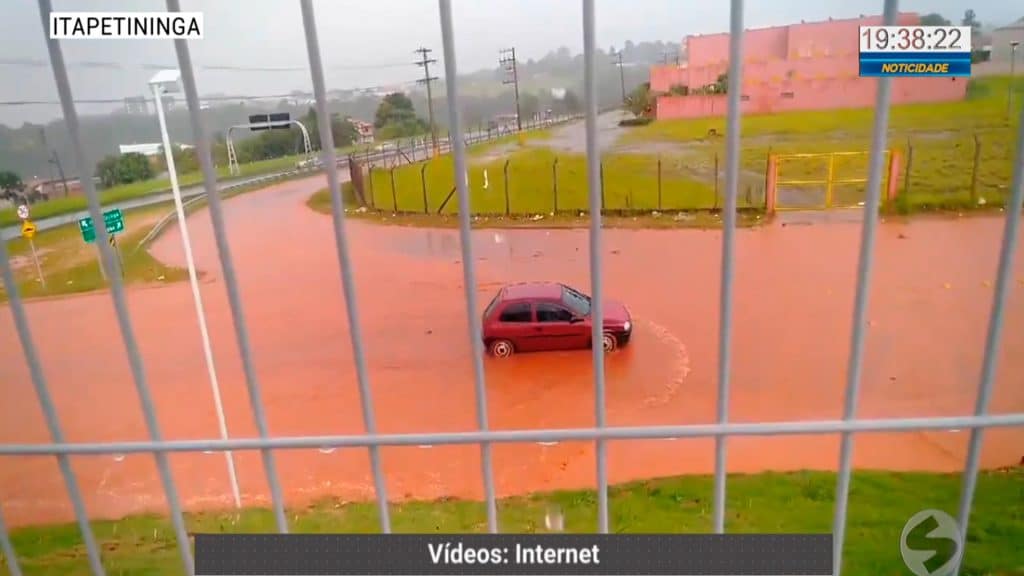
536	316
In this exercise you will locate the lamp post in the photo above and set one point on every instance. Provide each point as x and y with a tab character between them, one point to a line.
1009	87
167	81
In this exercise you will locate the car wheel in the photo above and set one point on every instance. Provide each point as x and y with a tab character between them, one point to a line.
501	348
610	342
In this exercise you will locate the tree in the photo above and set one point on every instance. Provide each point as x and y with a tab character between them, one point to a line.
396	118
934	19
343	131
572	102
529	105
641	101
395	108
9	180
970	19
722	83
185	159
124	169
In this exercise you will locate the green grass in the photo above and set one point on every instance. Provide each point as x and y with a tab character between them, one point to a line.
71	266
939	139
533	182
942	138
800	502
57	206
984	109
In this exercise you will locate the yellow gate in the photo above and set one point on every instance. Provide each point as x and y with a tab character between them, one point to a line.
817	181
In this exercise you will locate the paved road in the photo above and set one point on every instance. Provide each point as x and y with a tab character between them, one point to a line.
794	288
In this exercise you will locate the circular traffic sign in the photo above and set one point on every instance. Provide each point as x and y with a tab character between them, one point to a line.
23	211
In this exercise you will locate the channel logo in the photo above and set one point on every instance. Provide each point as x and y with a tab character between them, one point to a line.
930	543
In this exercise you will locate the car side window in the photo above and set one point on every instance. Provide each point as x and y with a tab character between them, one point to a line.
547	312
518	312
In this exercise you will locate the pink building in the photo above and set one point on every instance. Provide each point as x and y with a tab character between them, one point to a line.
812	66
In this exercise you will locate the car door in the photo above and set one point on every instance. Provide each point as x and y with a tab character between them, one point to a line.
515	323
557	328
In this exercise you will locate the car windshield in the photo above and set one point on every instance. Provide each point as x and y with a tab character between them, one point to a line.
576	301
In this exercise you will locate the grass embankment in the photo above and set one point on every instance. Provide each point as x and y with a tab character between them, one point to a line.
57	206
70	265
942	136
802	502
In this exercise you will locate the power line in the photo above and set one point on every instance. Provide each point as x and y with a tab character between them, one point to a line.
217	98
96	64
508	60
427	79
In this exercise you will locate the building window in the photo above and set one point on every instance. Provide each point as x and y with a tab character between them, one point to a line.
786	94
744	97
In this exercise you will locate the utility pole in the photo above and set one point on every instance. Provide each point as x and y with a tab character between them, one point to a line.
508	60
622	76
427	79
53	160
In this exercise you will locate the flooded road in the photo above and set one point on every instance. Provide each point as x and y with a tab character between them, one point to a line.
931	294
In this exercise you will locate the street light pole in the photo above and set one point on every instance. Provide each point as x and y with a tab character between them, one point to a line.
158	88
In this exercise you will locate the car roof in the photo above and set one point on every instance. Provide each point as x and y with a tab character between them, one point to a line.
527	290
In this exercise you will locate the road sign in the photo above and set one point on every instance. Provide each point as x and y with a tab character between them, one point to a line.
113	219
23	211
28	229
277	121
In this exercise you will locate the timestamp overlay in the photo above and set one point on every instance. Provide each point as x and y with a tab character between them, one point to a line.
943	51
499	554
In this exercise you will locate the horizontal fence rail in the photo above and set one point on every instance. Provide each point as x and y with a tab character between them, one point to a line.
593	175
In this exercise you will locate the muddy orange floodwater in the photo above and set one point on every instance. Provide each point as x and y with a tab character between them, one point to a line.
794	290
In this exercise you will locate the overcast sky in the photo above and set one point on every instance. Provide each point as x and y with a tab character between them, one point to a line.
369	43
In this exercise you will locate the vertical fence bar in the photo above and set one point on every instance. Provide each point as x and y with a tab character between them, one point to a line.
465	240
554	185
423	185
8	549
974	170
732	173
594	182
659	181
202	143
860	306
907	171
508	205
394	193
717	179
109	262
994	338
344	260
35	368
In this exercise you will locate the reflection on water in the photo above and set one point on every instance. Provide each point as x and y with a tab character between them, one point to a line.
444	244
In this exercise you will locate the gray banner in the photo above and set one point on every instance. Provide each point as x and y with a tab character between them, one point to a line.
654	554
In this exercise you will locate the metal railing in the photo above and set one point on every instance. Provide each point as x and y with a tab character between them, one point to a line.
600	434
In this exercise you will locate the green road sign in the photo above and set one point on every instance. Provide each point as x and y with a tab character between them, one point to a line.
113	219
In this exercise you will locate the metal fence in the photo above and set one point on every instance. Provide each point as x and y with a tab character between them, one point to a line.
600	433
